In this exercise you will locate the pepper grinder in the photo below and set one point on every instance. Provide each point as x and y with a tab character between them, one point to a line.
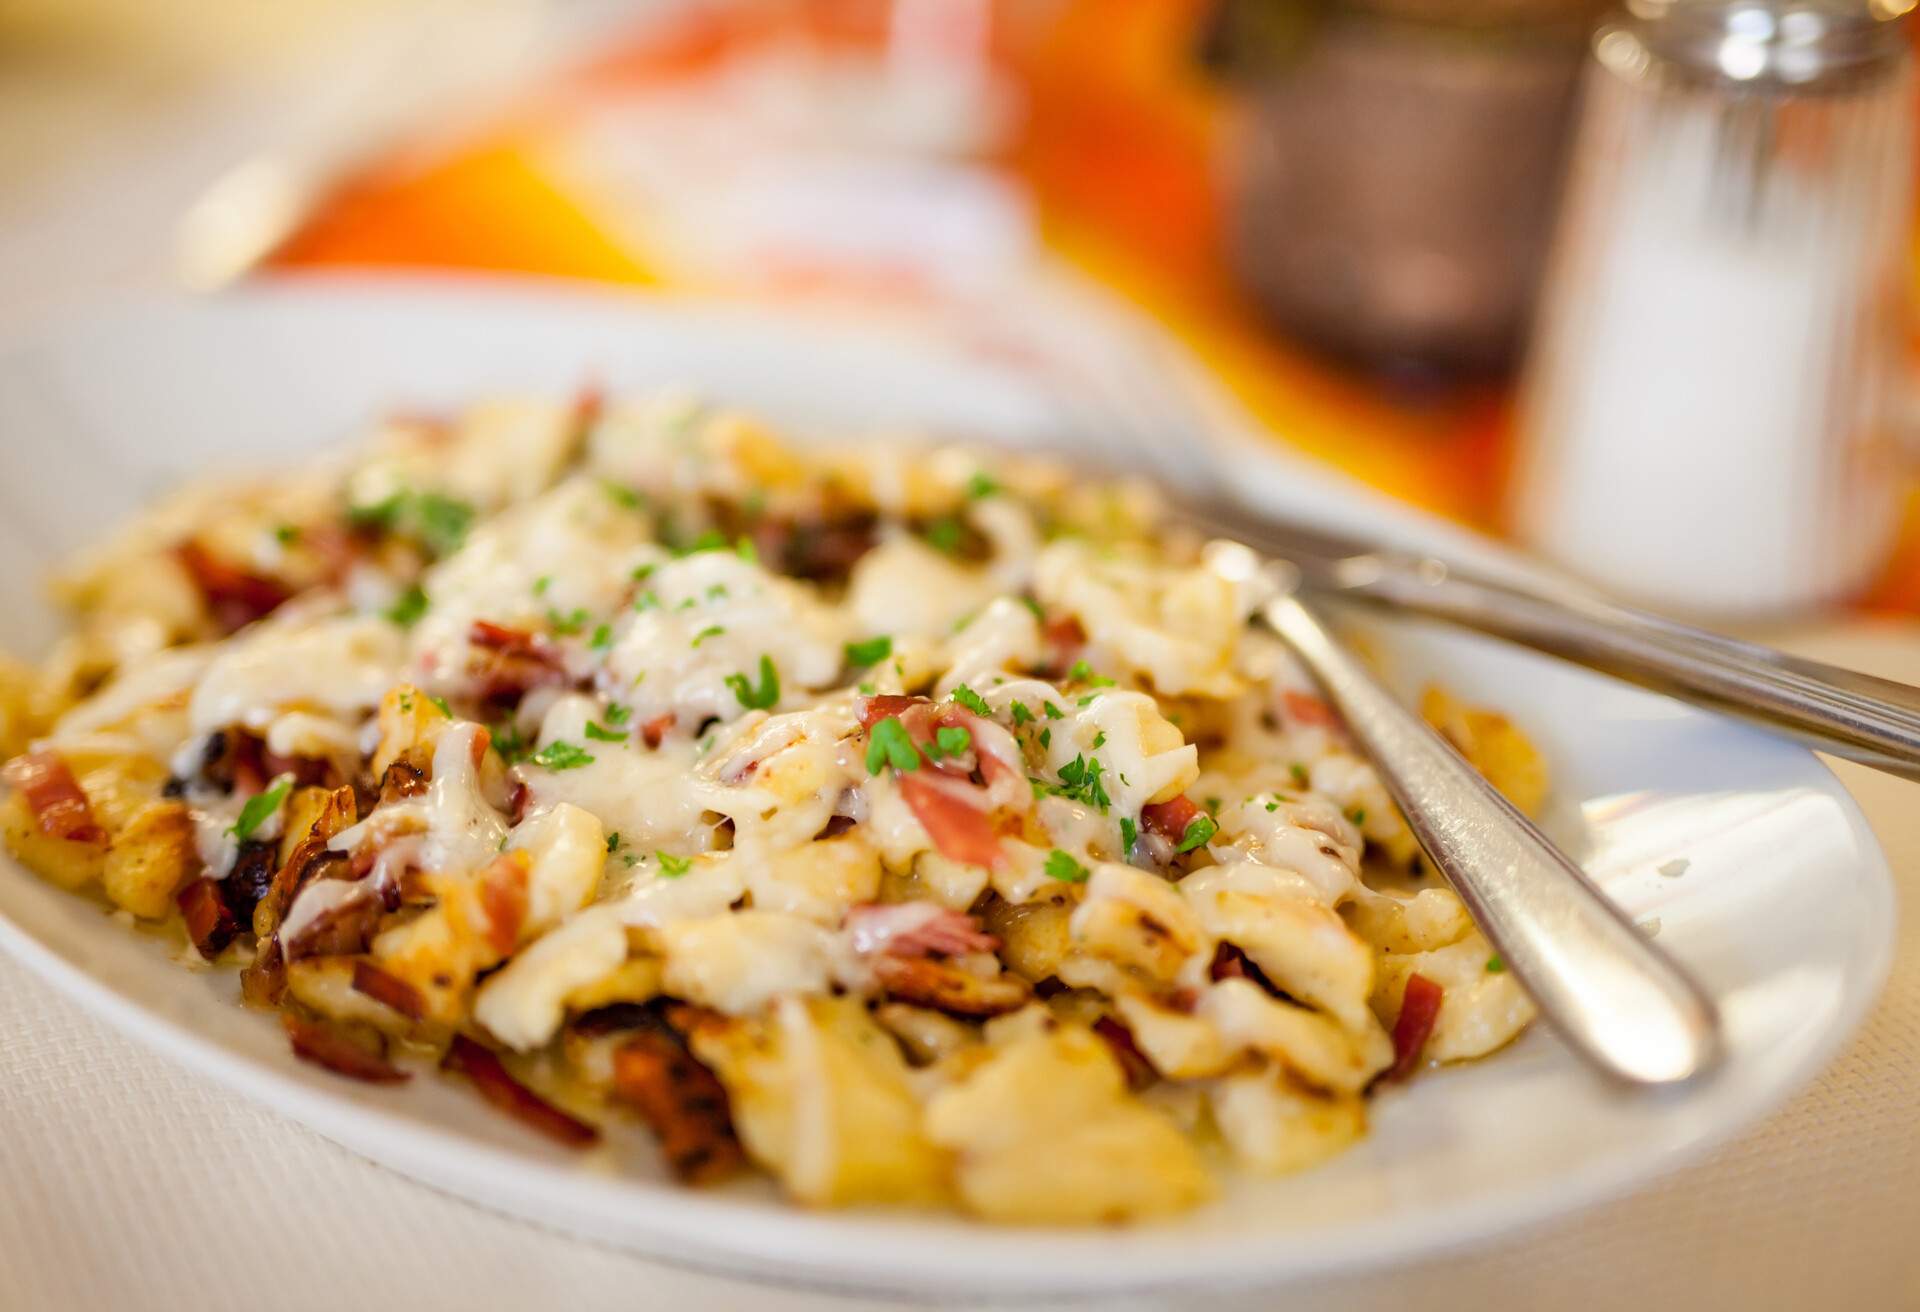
1709	408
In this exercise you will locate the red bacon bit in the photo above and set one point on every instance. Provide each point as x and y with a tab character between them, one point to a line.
514	1098
885	704
337	1053
388	990
519	800
1170	819
503	896
1139	1070
498	637
1418	1010
1304	708
211	923
1229	962
961	832
307	771
656	729
235	596
54	796
1062	637
915	929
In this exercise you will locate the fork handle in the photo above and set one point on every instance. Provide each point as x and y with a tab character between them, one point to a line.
1618	1000
1851	715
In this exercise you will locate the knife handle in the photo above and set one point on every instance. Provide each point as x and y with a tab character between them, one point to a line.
1873	721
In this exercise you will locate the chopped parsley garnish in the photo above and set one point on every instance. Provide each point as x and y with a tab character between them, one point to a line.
952	739
437	521
1033	606
888	744
613	841
711	631
761	698
571	622
1083	673
1053	712
286	534
641	573
866	688
1299	773
716	592
510	743
1021	715
260	807
604	734
407	611
981	485
1213	806
970	699
1064	868
1129	833
441	703
602	637
622	494
541	584
1358	815
745	549
1046	737
870	652
1100	740
712	540
1080	780
560	755
943	535
672	867
1199	829
617	714
1273	806
648	600
1495	966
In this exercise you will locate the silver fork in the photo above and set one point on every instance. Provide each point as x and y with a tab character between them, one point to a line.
1619	1001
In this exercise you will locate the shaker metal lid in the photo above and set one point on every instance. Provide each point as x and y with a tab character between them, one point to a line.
1799	43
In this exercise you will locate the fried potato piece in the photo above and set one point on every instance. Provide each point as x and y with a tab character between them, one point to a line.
820	1099
682	1102
1045	1132
1034	936
1492	745
1275	1126
71	865
946	987
149	858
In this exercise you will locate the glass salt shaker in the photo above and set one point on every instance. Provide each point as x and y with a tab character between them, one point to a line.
1709	409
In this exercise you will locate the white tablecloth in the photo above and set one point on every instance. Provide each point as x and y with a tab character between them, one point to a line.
126	1182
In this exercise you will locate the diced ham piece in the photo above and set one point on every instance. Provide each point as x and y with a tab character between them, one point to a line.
1170	819
961	831
235	596
59	808
915	929
503	896
1304	708
211	923
1419	1008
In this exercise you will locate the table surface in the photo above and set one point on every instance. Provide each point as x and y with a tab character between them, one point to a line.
131	1183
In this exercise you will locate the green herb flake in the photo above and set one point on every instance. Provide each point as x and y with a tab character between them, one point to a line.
1358	815
1033	606
1273	806
672	867
613	841
569	623
1021	715
441	703
745	549
603	734
711	631
870	652
621	494
1046	737
1129	834
711	540
261	807
1053	712
286	534
1495	966
981	485
560	755
1064	868
648	600
888	744
1299	773
407	611
1100	740
973	701
641	573
617	714
952	739
541	584
1199	830
759	698
943	535
441	522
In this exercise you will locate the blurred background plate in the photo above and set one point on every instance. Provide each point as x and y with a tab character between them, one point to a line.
1782	904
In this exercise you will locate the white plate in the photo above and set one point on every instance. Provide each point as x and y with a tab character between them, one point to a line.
1784	910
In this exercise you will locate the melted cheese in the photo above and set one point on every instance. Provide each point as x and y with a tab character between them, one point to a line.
340	666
